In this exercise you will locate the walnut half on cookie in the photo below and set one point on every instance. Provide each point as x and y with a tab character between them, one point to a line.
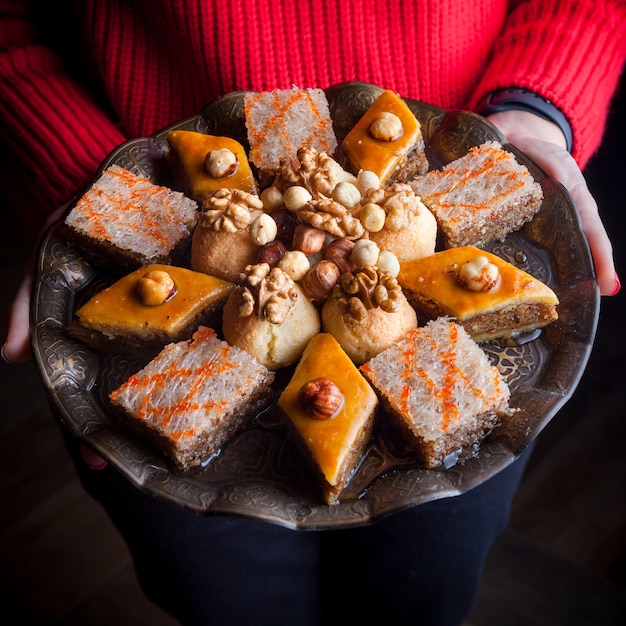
268	315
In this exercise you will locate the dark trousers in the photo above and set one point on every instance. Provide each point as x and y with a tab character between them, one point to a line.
420	566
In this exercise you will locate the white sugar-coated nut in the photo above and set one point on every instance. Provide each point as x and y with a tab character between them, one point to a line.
347	194
365	253
366	180
395	220
386	127
388	262
272	199
221	163
295	264
263	229
296	197
372	217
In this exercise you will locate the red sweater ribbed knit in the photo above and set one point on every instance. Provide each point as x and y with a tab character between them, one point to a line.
153	62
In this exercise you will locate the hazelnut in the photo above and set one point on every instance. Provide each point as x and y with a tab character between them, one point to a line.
365	253
372	217
295	264
367	180
346	194
321	398
286	222
308	239
296	197
386	127
271	253
221	163
272	199
338	251
388	262
479	275
263	229
319	281
155	287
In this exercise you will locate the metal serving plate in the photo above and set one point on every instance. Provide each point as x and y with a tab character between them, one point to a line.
260	474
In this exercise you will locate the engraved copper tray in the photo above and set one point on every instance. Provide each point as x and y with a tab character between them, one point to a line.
260	474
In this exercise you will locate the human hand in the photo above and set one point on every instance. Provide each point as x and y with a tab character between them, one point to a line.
544	142
91	458
16	347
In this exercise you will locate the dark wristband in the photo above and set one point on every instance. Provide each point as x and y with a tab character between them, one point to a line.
524	100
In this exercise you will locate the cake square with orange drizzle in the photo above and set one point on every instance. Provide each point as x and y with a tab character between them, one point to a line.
441	390
124	221
282	121
480	197
194	396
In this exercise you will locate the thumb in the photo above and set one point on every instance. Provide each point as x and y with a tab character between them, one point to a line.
16	347
94	460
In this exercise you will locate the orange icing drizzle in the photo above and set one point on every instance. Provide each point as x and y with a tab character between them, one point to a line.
488	164
121	206
280	119
166	414
450	410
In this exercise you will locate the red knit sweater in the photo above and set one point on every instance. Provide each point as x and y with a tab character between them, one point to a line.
116	69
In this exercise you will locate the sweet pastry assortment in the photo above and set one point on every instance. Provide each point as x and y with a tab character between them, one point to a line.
352	269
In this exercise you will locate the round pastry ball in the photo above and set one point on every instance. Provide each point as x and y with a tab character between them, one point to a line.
274	345
413	241
364	338
220	253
